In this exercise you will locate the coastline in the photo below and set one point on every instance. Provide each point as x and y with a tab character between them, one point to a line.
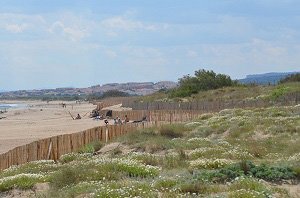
40	120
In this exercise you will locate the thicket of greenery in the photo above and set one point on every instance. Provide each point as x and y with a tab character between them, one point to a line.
291	78
108	94
202	81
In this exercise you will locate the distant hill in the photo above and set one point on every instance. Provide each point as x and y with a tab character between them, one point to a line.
132	88
264	79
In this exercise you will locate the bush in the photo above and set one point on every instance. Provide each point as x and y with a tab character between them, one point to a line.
194	188
64	177
202	81
291	78
22	181
172	131
209	163
69	157
272	173
91	147
278	92
263	171
247	168
126	189
35	167
247	186
296	170
165	184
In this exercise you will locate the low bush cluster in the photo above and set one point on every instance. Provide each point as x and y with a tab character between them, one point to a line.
247	168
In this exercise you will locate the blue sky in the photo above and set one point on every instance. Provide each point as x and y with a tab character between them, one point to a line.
79	43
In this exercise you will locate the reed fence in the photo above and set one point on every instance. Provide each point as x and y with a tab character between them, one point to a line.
157	115
53	147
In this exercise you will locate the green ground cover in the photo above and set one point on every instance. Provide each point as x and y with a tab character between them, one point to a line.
233	153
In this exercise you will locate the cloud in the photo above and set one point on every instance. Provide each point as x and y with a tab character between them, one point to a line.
18	23
16	28
74	33
121	23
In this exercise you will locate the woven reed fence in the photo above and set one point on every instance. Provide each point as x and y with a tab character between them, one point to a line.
53	147
158	115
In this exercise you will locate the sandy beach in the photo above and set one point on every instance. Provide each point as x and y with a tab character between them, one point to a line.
40	120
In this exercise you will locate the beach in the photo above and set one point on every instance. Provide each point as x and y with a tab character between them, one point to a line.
33	120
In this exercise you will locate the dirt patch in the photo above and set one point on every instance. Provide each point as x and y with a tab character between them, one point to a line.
16	193
294	190
115	146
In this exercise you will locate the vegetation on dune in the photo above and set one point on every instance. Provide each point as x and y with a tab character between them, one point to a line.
209	89
202	81
233	153
291	78
107	94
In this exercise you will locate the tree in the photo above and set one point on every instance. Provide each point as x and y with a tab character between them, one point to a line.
202	81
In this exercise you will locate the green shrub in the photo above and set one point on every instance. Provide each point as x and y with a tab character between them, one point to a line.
126	189
272	173
89	148
296	170
247	186
69	157
263	171
193	187
291	78
202	163
64	177
136	170
172	131
35	167
165	184
174	161
247	168
202	81
21	181
242	193
278	92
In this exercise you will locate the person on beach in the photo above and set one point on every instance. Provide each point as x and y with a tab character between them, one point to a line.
78	117
126	119
106	121
119	121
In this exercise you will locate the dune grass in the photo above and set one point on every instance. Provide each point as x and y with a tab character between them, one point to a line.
233	153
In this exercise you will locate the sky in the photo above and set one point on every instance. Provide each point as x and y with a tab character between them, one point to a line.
80	43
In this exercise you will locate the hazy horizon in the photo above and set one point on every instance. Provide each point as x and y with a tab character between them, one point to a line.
40	88
80	43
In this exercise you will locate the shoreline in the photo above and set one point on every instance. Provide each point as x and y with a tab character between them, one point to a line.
41	120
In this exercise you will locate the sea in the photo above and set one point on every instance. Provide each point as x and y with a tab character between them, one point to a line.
11	106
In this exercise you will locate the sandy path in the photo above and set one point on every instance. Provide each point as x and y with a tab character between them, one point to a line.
42	120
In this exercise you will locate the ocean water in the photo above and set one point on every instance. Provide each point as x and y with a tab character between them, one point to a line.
11	106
